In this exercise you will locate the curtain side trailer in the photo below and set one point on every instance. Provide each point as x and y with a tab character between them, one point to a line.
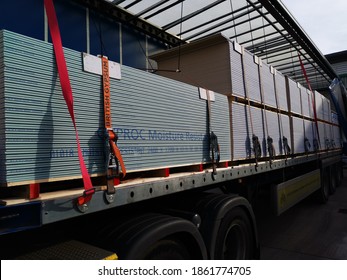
192	151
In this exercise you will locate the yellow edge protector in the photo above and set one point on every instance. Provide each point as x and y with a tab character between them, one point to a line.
112	257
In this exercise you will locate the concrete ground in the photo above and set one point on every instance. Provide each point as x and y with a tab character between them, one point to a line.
307	231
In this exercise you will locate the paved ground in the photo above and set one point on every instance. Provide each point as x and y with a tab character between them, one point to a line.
309	230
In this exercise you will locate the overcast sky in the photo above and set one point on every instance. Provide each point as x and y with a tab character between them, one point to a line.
323	20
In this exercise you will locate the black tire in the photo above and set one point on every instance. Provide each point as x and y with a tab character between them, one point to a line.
332	179
167	250
235	238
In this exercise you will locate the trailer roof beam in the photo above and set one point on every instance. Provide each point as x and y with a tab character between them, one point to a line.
243	20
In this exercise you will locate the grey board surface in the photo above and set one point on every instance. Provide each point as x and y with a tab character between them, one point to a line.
294	96
268	85
273	131
160	122
322	135
298	135
309	133
326	109
319	105
236	68
284	122
306	100
337	136
242	133
251	76
281	91
248	120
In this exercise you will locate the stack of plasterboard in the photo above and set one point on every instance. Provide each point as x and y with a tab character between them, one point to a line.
281	91
247	77
306	102
261	88
326	109
274	93
310	133
268	85
284	123
337	136
304	128
294	92
307	112
298	133
160	122
203	63
322	130
272	130
326	129
246	122
215	63
294	96
251	76
334	118
237	85
329	136
319	105
336	130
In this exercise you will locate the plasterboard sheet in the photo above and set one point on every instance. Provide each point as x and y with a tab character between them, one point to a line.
160	122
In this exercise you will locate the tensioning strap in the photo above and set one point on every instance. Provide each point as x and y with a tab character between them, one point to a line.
270	145
67	93
110	134
255	140
285	145
213	140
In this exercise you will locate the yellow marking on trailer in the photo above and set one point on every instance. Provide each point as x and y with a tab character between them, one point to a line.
292	191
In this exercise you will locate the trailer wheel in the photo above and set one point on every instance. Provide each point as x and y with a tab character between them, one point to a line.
234	239
151	236
167	250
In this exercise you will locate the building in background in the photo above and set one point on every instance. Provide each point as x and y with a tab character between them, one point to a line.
339	63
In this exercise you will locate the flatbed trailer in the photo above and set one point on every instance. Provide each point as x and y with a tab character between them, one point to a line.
183	197
136	190
190	211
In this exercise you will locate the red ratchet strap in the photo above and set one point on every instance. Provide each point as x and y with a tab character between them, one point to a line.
314	97
67	93
107	112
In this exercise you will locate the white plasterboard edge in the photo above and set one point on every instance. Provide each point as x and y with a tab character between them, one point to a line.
272	70
238	48
256	59
203	94
92	64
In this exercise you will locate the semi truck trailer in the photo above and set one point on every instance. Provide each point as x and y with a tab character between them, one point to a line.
104	157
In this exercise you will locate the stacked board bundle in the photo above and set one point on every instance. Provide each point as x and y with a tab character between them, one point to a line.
309	127
160	122
263	102
250	82
248	121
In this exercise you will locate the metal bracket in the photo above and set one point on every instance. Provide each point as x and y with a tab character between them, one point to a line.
214	175
110	197
83	208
